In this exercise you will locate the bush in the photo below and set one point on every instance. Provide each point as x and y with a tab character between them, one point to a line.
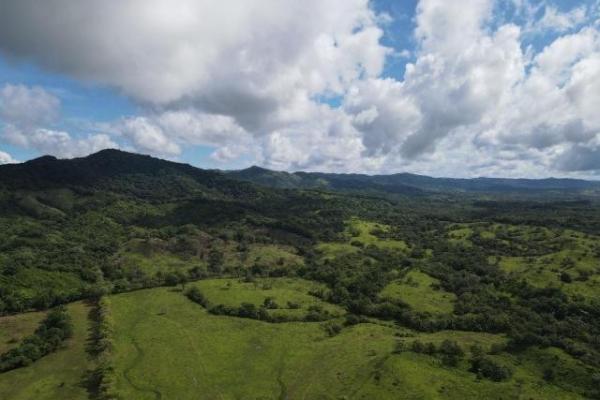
332	328
487	368
292	305
195	295
270	303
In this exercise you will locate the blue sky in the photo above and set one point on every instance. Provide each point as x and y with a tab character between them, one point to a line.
318	86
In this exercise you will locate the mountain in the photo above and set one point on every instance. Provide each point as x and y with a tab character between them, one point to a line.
406	183
108	167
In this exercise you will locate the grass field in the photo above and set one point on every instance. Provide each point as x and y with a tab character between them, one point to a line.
168	347
58	375
153	263
357	234
417	290
234	292
13	328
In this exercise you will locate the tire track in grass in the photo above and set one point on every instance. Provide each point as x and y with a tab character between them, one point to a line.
190	340
138	358
283	391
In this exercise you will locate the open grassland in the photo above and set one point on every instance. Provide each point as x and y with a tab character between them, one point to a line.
419	376
169	347
421	293
282	291
14	328
57	376
358	234
153	263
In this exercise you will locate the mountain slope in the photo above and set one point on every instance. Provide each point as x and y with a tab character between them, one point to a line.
405	183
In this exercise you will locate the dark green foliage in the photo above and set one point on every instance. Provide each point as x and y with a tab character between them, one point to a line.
102	380
448	351
332	328
487	368
197	296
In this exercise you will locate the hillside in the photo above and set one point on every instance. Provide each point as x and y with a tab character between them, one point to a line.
262	284
412	184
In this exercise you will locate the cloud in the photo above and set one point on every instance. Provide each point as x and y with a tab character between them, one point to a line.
166	133
27	106
57	143
256	81
555	20
26	112
579	158
6	158
208	73
461	73
246	60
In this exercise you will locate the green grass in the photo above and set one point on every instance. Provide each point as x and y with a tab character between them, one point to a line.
167	344
266	255
364	232
171	348
575	258
463	338
168	347
418	376
359	233
561	251
416	289
14	328
155	262
334	249
56	376
233	292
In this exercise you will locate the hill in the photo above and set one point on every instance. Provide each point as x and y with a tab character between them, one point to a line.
412	184
267	284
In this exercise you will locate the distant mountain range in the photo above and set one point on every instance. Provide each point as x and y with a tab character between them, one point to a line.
406	183
103	167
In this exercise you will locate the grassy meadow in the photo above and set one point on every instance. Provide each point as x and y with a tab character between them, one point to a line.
169	347
59	375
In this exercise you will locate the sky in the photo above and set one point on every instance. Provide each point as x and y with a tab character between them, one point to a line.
499	88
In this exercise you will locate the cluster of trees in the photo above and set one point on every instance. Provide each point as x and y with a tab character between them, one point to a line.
53	330
485	367
102	379
449	351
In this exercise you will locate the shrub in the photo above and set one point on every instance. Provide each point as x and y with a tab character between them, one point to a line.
332	328
487	368
195	295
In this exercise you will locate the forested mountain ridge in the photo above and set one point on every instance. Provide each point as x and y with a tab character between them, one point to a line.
413	184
